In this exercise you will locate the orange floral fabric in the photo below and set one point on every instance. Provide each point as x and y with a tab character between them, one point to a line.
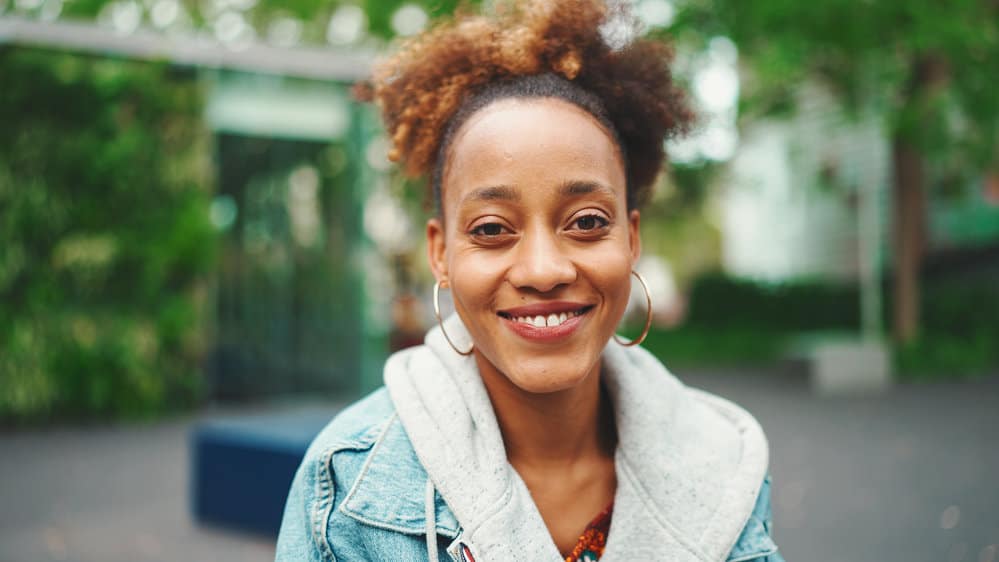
590	546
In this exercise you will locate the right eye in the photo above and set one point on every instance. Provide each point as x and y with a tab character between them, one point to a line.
488	229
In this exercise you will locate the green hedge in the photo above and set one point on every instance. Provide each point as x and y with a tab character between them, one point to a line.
718	301
105	239
739	322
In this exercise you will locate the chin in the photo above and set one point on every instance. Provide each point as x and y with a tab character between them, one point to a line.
545	377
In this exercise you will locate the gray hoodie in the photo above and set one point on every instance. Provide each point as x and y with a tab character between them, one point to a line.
689	464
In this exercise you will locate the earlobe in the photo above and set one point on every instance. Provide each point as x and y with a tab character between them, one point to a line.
635	235
437	250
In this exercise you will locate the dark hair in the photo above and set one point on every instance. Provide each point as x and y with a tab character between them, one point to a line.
527	49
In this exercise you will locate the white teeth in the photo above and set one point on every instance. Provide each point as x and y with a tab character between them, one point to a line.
549	321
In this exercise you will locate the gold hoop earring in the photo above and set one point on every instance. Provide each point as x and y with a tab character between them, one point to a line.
648	314
440	322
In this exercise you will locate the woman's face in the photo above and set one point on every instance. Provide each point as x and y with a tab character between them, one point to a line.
537	244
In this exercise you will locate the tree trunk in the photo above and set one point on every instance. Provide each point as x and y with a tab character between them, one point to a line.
909	210
929	75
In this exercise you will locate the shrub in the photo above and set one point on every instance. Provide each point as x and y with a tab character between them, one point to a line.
105	237
734	321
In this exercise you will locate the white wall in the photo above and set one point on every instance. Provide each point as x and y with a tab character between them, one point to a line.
780	219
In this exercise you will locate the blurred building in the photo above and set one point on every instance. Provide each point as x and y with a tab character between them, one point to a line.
809	196
297	276
290	298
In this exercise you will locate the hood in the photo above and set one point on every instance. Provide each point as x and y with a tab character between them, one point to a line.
689	464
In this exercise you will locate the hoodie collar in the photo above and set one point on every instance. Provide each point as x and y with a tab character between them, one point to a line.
689	465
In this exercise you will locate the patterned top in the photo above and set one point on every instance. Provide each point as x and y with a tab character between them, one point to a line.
590	546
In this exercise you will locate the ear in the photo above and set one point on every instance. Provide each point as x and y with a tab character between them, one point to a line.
634	235
437	250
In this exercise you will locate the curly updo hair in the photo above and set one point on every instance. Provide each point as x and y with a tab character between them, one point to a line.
529	49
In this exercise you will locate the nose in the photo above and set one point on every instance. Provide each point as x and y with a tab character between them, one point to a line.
540	263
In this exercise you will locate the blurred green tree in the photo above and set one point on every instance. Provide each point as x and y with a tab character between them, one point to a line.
313	16
105	237
928	67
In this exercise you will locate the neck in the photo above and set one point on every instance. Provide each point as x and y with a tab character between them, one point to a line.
555	429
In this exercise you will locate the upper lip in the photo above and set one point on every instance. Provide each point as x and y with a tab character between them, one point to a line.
543	309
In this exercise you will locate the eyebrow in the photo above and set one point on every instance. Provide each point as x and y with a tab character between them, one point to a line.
492	193
573	188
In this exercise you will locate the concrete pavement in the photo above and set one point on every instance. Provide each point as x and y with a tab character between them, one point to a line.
110	494
911	475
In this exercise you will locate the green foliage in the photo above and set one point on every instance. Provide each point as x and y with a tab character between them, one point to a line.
720	301
105	236
739	322
313	15
942	355
960	331
380	12
928	67
689	346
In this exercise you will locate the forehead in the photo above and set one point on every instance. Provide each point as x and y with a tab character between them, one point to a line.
531	143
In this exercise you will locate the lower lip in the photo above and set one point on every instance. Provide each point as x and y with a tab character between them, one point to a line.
548	333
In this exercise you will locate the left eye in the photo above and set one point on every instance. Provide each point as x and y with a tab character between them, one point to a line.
488	229
590	222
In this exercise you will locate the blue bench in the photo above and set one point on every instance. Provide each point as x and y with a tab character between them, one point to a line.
242	466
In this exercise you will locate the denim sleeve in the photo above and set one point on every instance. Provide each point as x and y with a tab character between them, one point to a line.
755	543
298	540
766	515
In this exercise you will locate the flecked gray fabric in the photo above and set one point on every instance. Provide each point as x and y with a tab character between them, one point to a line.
689	464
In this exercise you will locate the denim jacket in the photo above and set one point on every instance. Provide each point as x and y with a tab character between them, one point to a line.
365	492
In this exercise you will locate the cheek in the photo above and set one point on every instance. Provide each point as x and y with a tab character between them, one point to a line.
611	275
474	280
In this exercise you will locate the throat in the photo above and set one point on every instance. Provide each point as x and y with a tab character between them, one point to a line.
569	501
562	445
555	430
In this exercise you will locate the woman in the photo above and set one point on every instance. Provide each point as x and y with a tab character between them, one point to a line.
524	429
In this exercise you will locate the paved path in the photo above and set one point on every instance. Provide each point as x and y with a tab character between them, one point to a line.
909	476
107	494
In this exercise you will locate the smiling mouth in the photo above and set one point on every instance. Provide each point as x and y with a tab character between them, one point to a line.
549	320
